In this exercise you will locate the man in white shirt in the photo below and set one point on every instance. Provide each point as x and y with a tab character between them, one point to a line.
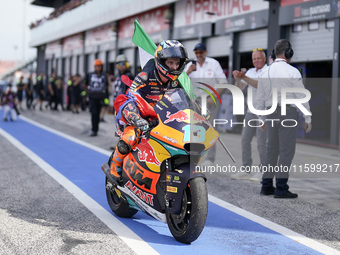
245	80
282	130
207	70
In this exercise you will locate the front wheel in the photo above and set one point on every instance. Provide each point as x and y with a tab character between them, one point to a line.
187	226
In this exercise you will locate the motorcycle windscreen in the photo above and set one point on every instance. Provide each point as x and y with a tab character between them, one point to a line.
182	124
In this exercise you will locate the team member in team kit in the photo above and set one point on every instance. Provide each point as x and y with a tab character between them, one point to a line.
97	87
281	138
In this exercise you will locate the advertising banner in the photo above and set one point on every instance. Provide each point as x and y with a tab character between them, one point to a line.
303	11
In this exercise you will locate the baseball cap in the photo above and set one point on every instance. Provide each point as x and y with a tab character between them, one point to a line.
200	46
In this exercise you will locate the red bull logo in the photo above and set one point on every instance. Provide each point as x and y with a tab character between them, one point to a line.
147	154
179	116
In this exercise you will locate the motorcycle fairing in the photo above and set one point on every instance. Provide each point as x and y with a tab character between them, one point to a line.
176	183
141	177
142	205
150	154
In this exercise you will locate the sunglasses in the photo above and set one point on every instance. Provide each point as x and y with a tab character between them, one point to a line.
121	64
199	52
258	49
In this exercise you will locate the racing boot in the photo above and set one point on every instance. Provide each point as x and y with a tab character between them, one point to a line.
116	164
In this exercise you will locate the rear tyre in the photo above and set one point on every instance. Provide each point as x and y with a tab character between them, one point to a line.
117	205
187	226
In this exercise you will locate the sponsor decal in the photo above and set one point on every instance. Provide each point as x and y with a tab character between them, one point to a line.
143	76
147	198
155	97
177	179
169	98
142	178
179	116
147	154
168	178
160	108
152	83
170	139
162	103
171	189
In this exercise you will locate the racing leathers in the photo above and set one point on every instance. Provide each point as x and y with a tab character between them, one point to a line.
135	110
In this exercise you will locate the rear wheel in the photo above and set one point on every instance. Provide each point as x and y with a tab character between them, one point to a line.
116	203
188	225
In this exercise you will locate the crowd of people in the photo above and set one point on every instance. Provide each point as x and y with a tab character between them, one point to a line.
75	94
55	94
59	11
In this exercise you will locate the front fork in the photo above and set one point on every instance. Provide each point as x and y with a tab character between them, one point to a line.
176	182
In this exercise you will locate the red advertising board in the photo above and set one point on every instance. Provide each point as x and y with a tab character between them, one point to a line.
294	2
152	22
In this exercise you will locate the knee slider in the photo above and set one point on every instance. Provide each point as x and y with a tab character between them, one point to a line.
123	147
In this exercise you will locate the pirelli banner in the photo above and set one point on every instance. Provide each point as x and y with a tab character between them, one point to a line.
300	11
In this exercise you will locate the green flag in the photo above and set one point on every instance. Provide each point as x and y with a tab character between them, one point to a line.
147	49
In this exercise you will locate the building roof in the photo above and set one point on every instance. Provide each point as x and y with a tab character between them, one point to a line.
49	3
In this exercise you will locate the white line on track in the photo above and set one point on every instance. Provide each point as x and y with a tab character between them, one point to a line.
136	243
130	237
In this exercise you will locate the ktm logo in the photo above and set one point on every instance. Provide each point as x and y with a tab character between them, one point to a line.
152	83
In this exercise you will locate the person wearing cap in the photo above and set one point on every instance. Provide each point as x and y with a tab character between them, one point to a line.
209	71
123	67
97	87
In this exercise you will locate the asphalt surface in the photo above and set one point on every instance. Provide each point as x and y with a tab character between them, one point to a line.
38	216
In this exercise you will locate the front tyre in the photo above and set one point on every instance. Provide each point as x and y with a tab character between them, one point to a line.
188	225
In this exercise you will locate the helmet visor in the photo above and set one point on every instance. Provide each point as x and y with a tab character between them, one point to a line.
172	52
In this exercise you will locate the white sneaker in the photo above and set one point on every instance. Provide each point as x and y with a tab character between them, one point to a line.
240	176
256	177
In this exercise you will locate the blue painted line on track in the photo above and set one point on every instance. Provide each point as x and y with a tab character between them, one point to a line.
225	232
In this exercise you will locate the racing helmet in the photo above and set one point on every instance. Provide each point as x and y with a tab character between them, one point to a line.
170	49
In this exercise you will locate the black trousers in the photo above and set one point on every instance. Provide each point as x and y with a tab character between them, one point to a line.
95	107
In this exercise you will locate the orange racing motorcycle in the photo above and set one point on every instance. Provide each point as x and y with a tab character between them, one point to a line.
161	176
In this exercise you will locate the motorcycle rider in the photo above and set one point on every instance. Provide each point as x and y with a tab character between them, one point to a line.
135	109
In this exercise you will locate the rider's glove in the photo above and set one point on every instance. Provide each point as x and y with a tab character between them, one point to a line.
142	124
139	123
